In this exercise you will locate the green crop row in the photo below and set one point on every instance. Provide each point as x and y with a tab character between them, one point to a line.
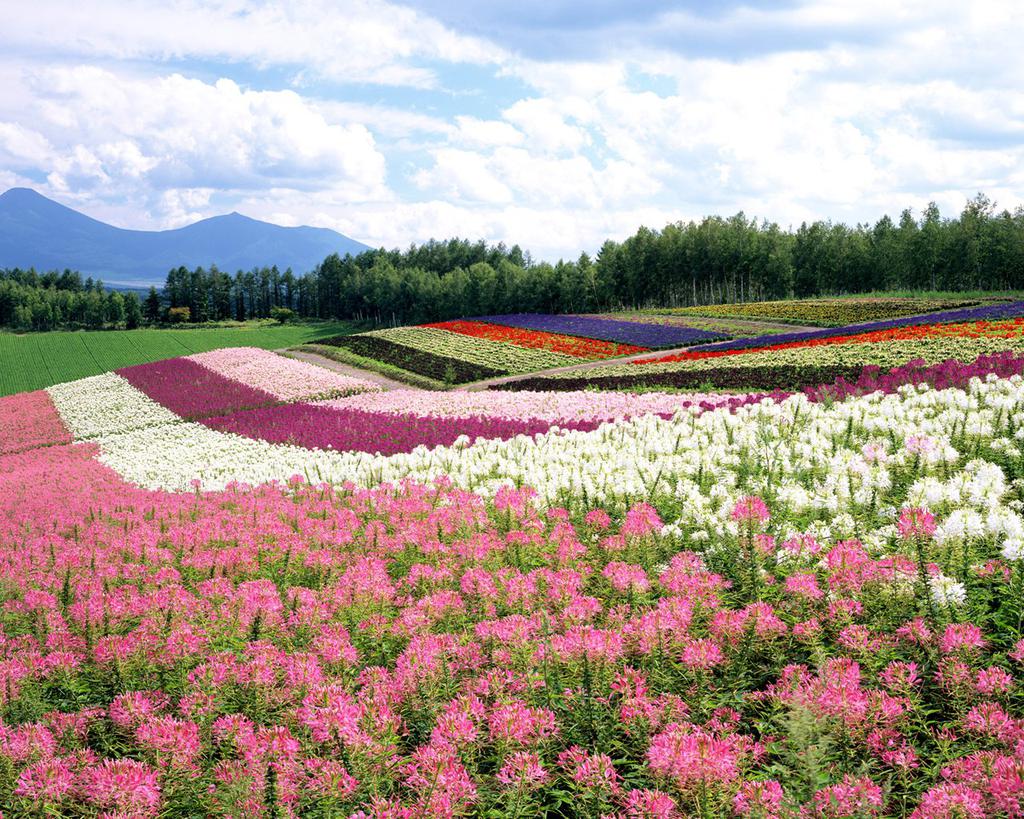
826	312
485	352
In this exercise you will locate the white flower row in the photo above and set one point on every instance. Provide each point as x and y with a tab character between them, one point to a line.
106	404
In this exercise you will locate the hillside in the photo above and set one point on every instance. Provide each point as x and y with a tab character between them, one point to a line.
38	232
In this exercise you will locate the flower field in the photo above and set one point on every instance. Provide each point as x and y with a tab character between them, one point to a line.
808	358
236	584
466	350
827	312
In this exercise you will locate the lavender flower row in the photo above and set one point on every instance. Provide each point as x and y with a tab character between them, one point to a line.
623	332
989	312
316	426
192	390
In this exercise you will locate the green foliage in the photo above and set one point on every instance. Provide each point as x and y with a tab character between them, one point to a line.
282	315
37	360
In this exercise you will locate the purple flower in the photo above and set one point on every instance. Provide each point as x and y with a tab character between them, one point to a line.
323	427
624	332
192	390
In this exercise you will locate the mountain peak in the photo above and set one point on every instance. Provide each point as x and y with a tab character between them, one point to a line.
37	232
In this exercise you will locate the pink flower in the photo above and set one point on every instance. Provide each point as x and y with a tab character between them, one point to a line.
624	576
961	637
853	797
702	654
805	586
916	523
900	677
689	755
598	518
174	740
650	804
641	520
590	771
523	771
949	801
49	780
994	680
440	780
759	800
751	508
124	785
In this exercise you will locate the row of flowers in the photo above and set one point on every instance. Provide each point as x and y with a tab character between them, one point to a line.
496	354
284	378
793	609
987	312
574	346
828	312
651	336
933	349
1005	329
441	369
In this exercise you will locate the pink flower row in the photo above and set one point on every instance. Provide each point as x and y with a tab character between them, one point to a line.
285	378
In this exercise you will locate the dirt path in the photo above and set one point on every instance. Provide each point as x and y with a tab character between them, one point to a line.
383	381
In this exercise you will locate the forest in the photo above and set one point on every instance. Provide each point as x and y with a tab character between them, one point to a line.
714	260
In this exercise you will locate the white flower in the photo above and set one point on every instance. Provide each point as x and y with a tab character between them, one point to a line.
1013	548
947	591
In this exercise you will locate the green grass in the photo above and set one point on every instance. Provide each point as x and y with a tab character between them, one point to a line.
36	360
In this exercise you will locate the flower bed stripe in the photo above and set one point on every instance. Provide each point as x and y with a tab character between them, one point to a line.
415	361
104	405
284	378
29	420
553	407
834	312
191	390
651	336
473	350
989	312
785	377
353	430
587	348
1007	329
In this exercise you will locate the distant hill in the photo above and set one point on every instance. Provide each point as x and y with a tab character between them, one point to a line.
38	232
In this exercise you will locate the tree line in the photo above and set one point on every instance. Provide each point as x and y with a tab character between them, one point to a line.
52	300
717	259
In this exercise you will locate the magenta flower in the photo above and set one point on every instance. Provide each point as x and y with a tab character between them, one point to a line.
759	800
950	801
124	785
853	797
916	523
523	770
752	509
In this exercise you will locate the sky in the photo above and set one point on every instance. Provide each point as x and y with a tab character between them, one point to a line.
554	124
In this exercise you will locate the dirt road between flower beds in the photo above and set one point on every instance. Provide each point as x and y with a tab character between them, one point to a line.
382	381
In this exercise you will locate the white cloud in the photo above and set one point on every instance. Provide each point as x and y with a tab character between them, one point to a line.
348	40
98	134
821	109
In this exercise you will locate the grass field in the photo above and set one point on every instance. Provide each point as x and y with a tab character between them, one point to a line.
36	360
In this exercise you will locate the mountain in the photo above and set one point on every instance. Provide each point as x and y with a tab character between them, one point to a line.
38	232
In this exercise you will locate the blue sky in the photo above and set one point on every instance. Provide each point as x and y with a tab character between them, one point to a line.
549	123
